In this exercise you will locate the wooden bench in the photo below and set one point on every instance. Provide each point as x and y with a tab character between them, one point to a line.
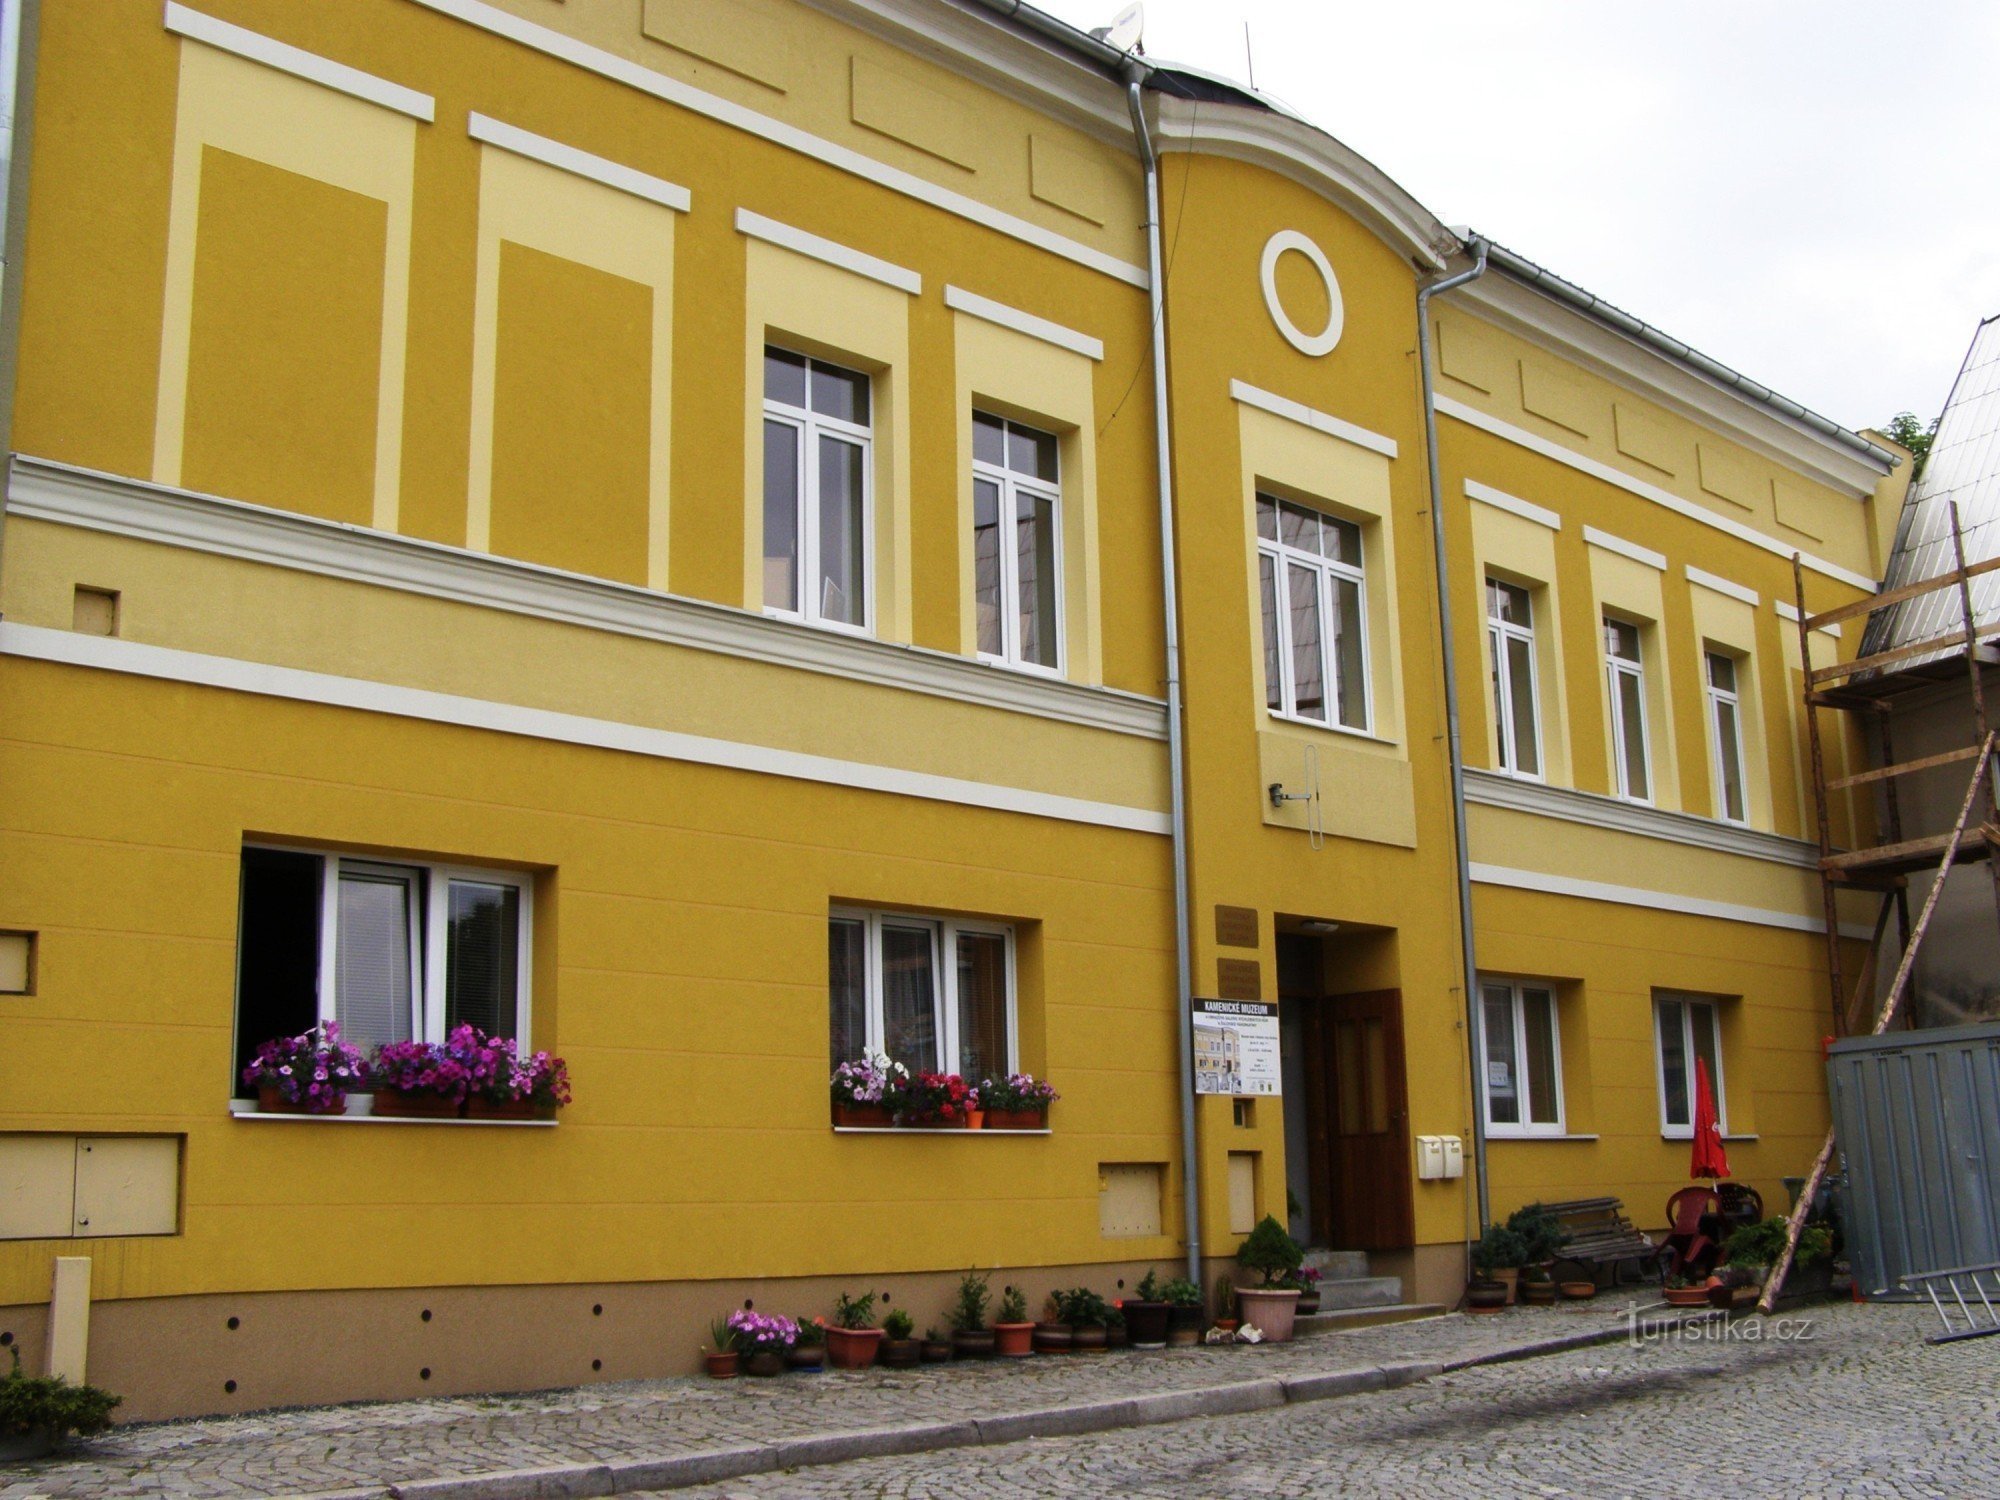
1598	1235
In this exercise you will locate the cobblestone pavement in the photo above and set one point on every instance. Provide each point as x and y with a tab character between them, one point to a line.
1883	1413
333	1448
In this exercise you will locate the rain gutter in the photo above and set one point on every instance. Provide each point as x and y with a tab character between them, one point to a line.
19	28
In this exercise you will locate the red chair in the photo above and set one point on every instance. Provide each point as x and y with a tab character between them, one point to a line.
1691	1249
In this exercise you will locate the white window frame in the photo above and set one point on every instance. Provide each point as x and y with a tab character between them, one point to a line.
944	933
1498	633
430	922
1013	482
1688	1003
1716	697
1524	1128
808	427
1325	571
1615	667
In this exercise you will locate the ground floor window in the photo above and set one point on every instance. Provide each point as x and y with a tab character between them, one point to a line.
1689	1027
393	950
935	994
1523	1058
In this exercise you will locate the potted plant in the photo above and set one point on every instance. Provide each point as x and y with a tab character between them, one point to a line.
809	1353
1053	1334
1580	1290
853	1339
1271	1306
1225	1307
1116	1334
1146	1313
37	1412
1685	1291
970	1336
307	1074
1498	1257
1013	1332
1542	1237
765	1339
900	1348
1088	1316
860	1088
1184	1320
1306	1279
1483	1295
936	1348
1017	1102
933	1101
419	1080
722	1354
544	1081
1538	1287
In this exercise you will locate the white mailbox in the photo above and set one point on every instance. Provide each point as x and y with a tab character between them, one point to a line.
1454	1156
1430	1157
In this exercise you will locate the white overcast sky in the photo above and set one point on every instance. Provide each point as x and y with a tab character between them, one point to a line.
1808	190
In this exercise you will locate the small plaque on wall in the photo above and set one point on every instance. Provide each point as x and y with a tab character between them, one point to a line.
1236	926
1239	979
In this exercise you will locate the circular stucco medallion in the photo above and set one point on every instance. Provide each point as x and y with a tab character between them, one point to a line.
1313	345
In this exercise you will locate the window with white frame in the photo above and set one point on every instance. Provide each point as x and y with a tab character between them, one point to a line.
1315	619
1510	634
392	949
1523	1056
1689	1027
1625	682
1017	543
818	520
935	994
1725	735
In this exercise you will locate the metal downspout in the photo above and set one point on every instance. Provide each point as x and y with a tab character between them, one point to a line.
1176	749
1474	1029
19	27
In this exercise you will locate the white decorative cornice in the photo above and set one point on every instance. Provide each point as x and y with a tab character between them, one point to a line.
1490	789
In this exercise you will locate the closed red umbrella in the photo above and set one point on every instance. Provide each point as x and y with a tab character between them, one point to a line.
1709	1158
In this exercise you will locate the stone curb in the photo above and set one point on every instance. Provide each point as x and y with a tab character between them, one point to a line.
1568	1341
709	1466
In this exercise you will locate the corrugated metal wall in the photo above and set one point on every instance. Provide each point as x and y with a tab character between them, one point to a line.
1917	1119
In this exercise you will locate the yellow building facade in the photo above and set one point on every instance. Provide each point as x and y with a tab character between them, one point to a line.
555	461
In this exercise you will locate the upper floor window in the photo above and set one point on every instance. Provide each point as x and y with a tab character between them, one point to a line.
1315	626
1725	729
934	994
1689	1028
1625	681
1510	629
1523	1076
1016	532
818	522
394	951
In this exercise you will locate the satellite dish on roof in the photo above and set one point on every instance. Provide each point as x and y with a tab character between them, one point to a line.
1126	28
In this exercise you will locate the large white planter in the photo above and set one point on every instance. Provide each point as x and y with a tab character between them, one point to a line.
1270	1310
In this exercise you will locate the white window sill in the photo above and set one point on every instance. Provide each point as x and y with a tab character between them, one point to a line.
1534	1135
832	627
246	1109
930	1130
1325	728
1025	668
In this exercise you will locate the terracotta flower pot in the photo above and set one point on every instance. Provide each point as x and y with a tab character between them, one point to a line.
270	1101
975	1119
1016	1119
722	1366
1685	1296
975	1343
1013	1340
1271	1310
852	1348
1146	1322
1579	1291
479	1107
861	1116
417	1106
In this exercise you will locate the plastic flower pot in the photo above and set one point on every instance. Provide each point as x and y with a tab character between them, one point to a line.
861	1116
1016	1119
975	1119
976	1343
479	1107
937	1351
765	1362
806	1356
899	1354
722	1366
1183	1327
271	1101
1089	1338
402	1106
1146	1322
1271	1310
1054	1338
1485	1297
852	1348
1014	1340
1308	1301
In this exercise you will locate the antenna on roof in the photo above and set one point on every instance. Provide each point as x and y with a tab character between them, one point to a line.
1127	29
1249	62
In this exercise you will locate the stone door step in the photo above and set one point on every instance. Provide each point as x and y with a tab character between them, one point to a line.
1360	1291
1338	1265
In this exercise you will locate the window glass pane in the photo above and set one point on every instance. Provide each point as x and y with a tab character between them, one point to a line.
982	1005
1721	672
1035	524
841	564
1348	1078
847	989
986	564
781	515
989	440
1340	540
1496	642
1673	1064
1621	640
1308	684
1267	518
1375	1072
1298	527
840	393
277	954
372	976
1707	1047
1503	1099
784	377
1630	710
1730	753
1350	674
1507	603
482	958
1267	583
1031	452
1521	702
909	998
1538	1021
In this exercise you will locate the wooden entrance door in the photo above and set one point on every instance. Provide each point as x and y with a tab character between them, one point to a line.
1357	1117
